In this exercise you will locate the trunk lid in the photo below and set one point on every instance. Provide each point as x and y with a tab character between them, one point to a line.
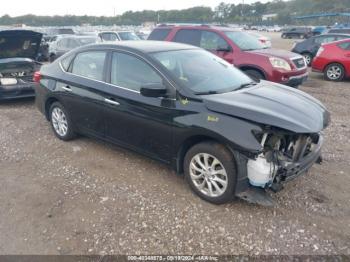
19	44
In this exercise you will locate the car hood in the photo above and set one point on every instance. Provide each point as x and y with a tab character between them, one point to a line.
269	52
19	43
273	105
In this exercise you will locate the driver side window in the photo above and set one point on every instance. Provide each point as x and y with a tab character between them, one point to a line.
131	72
212	41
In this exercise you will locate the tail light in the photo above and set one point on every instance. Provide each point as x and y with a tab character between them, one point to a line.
37	77
263	41
320	50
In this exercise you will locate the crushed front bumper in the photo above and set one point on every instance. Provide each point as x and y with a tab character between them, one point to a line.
288	171
291	170
295	81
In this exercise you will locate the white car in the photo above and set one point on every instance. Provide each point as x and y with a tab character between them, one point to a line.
112	36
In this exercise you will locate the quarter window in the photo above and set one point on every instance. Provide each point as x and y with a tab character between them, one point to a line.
90	65
132	73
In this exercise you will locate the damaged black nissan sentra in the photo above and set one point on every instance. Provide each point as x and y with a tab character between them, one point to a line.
184	106
18	54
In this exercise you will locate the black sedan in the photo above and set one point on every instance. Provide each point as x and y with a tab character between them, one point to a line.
309	47
186	107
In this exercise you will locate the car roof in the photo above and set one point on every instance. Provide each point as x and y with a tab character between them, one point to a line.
198	27
144	46
333	34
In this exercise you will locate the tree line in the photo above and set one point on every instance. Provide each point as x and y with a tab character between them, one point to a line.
223	13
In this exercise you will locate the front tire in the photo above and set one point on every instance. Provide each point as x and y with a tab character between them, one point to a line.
60	122
255	75
334	72
211	172
308	58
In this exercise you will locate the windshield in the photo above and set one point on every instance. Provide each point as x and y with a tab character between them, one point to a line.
128	36
202	72
244	41
88	40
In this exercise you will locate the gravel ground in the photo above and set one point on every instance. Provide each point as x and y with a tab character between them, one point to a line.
87	197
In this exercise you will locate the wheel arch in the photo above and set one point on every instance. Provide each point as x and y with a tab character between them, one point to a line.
49	101
253	67
335	62
193	140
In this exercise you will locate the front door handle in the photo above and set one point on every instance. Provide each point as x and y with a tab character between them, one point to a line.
112	102
67	88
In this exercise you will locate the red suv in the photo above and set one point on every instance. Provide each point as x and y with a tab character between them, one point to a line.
333	60
240	49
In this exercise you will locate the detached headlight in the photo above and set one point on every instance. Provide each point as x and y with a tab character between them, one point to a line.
280	63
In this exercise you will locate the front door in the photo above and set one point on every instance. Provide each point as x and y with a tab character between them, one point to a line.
142	123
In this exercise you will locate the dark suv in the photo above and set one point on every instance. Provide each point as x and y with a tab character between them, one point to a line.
240	49
297	32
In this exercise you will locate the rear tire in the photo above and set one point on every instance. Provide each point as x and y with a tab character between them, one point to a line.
61	122
255	74
334	72
211	172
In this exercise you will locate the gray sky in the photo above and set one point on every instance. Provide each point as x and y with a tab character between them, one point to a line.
100	7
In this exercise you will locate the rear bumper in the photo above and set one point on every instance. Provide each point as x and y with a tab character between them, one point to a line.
17	91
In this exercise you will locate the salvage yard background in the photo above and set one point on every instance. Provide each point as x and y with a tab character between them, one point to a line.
86	197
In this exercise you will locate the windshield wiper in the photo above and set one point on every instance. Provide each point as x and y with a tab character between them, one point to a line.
212	92
246	85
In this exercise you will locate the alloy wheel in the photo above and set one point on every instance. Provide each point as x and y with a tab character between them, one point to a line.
208	175
307	59
334	72
59	121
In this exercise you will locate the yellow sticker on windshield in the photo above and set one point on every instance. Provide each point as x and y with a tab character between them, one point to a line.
213	119
184	101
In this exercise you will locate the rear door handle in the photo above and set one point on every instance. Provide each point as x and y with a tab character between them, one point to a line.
67	88
112	102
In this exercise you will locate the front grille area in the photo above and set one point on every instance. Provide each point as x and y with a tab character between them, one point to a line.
299	62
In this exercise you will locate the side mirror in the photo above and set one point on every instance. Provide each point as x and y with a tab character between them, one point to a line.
153	90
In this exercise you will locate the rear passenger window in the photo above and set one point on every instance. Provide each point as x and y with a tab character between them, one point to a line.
188	36
90	65
132	73
159	34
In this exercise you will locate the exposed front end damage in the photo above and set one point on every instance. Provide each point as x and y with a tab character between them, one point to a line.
284	157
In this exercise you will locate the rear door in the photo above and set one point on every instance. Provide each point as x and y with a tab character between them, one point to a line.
82	92
132	120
